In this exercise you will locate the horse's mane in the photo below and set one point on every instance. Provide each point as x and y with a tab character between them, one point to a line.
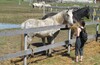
59	16
49	15
81	10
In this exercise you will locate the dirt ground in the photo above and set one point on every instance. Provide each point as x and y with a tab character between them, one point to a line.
91	57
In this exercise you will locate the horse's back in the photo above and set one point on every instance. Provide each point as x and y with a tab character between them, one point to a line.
32	23
29	23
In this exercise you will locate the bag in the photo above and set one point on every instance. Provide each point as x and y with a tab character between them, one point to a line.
83	35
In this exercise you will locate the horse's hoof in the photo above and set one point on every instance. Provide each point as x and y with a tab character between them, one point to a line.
49	55
44	53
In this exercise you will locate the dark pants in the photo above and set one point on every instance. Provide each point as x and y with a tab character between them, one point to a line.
79	47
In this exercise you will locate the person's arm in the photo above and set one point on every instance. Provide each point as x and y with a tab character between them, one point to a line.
78	31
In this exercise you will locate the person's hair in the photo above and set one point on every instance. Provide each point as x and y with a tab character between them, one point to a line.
82	23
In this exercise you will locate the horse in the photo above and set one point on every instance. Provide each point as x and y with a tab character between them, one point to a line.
47	5
40	5
78	16
63	17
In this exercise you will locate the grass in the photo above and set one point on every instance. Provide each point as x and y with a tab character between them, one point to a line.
11	12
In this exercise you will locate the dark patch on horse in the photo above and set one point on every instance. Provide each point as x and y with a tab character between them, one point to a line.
48	15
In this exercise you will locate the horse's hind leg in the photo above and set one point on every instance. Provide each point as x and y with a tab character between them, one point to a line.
50	40
43	40
44	43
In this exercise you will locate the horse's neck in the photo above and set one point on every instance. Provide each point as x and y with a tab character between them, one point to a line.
83	13
79	14
58	18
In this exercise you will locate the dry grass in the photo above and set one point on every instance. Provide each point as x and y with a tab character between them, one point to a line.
14	13
11	12
91	57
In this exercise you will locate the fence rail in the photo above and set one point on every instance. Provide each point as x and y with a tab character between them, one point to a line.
38	29
65	7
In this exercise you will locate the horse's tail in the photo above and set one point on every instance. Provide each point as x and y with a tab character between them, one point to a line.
23	25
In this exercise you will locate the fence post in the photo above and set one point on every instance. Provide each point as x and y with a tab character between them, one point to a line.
30	2
69	37
25	48
19	2
97	29
51	9
56	8
94	14
44	10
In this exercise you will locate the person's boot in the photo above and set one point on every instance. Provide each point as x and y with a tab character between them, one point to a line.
76	59
81	58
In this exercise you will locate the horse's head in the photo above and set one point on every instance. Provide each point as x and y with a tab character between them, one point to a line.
81	13
68	17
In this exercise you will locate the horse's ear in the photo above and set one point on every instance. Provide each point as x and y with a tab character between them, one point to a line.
67	11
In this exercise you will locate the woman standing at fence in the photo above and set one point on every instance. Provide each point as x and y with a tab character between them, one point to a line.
79	43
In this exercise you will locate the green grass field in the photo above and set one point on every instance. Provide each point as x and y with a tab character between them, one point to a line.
11	12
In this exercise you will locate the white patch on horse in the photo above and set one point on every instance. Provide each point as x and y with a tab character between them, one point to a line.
60	18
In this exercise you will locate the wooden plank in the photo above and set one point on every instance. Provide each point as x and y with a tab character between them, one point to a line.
98	35
91	23
18	54
35	50
62	7
91	37
31	30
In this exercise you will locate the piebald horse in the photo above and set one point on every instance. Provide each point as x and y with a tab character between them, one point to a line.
63	17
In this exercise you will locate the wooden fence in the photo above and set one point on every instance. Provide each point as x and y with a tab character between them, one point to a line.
35	50
93	10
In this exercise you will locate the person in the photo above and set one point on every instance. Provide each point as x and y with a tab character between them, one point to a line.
79	45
